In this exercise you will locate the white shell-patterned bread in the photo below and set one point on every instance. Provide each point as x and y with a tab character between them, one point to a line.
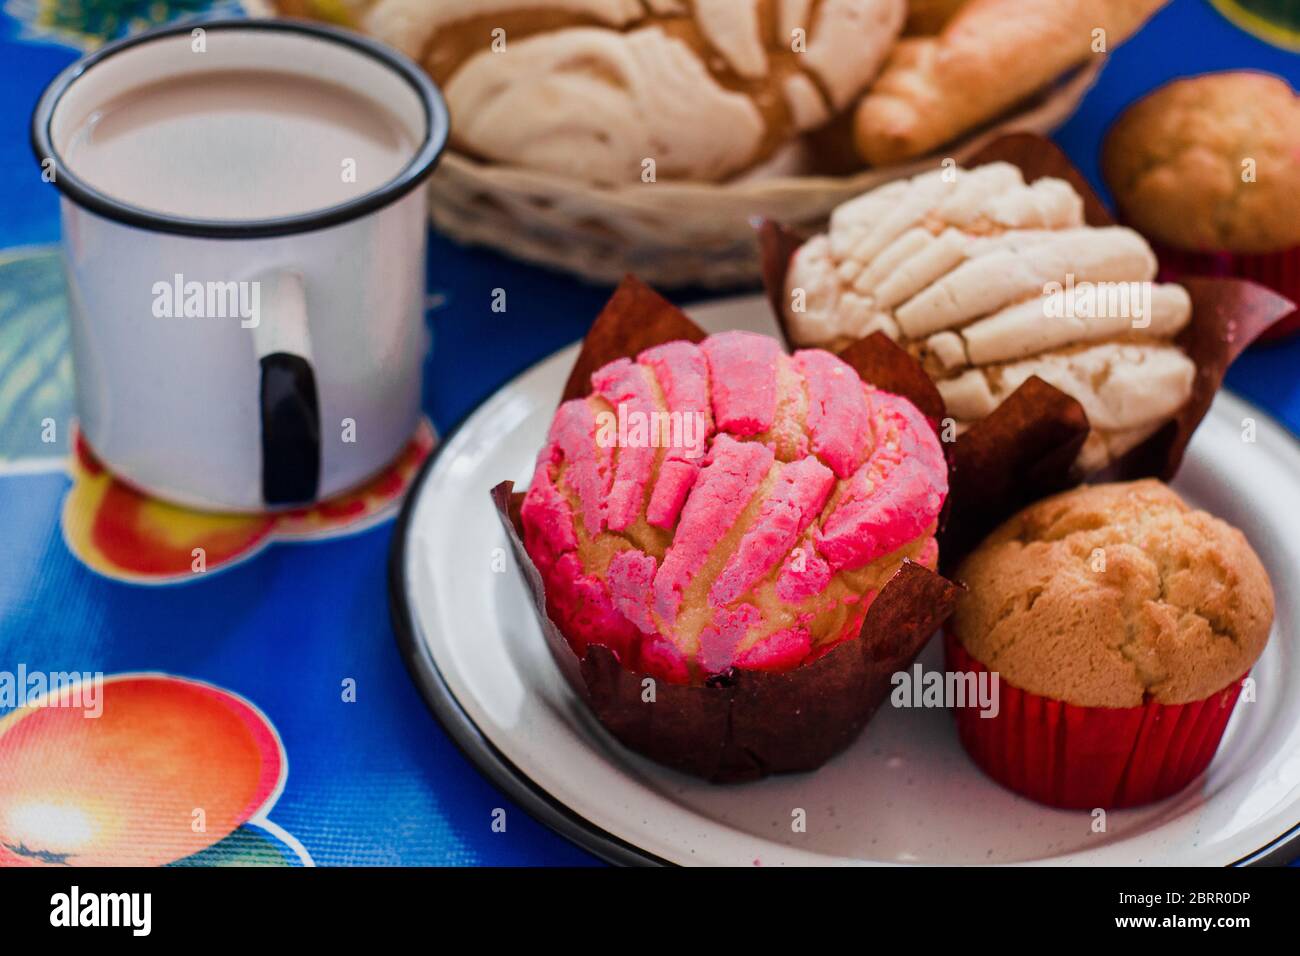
594	88
989	280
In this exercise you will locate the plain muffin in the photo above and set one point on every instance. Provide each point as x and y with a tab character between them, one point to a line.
1174	162
1113	595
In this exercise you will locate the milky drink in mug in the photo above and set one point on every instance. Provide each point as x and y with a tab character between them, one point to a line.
244	232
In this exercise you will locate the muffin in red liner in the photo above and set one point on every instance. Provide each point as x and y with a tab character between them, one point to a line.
1118	625
1081	758
731	598
1207	167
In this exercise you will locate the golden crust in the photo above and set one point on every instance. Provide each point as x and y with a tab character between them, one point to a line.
990	55
1107	594
1174	162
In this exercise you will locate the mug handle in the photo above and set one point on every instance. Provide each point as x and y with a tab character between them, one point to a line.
289	404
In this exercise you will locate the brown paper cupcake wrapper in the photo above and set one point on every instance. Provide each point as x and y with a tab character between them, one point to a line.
1027	448
1279	271
742	724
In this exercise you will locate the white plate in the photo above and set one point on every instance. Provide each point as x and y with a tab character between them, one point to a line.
905	792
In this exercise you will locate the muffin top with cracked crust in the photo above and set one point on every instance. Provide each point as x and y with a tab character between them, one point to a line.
1176	162
755	540
1108	595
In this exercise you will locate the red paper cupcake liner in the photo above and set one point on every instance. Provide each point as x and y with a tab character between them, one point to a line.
1279	271
1081	758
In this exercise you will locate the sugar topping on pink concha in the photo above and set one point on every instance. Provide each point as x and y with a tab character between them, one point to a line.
725	505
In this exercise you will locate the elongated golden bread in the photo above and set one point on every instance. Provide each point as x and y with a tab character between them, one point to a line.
990	55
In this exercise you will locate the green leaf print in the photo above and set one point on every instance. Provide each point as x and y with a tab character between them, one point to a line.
35	358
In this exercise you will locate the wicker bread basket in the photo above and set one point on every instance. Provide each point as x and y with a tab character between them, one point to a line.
672	233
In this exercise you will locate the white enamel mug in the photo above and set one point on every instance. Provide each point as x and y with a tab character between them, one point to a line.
324	389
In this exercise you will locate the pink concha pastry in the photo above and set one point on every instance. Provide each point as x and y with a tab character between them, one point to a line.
725	505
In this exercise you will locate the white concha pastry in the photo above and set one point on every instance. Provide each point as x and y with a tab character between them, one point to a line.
593	88
988	281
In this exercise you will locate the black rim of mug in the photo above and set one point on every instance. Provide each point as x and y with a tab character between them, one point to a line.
414	173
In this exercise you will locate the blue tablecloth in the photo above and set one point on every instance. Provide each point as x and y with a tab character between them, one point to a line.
376	780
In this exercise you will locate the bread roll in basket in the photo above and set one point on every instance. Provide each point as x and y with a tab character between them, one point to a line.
611	136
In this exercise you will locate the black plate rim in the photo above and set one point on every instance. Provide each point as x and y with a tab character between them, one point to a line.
449	712
483	754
